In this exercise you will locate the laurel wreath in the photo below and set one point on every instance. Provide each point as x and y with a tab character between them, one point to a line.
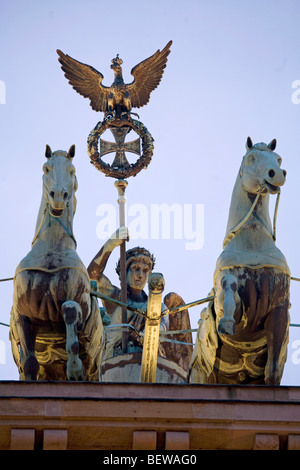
134	168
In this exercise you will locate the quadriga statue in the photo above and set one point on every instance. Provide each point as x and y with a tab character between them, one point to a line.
243	333
55	328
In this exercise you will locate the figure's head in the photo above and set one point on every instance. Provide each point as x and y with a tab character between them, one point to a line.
139	264
261	167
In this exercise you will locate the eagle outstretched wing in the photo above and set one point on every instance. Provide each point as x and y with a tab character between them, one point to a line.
85	80
147	76
179	353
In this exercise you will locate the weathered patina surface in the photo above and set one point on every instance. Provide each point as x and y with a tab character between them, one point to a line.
243	333
55	329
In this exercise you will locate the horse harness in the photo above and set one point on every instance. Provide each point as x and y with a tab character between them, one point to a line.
238	227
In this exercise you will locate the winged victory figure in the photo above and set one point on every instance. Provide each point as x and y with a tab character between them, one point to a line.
119	97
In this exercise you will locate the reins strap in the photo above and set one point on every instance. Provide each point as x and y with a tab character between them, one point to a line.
275	216
69	232
240	224
39	229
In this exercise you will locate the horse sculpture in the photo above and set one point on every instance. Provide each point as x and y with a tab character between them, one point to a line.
55	328
243	333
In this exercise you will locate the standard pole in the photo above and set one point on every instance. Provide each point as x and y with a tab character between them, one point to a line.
121	187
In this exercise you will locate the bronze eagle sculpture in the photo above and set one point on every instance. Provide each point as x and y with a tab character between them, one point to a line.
119	97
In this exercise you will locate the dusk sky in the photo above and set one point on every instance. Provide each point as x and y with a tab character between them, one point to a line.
233	72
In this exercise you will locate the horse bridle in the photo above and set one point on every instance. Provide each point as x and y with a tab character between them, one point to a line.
69	232
238	226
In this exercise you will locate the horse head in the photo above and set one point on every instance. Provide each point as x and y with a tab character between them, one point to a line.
59	180
261	168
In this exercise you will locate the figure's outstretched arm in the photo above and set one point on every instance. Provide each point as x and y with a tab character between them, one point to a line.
98	263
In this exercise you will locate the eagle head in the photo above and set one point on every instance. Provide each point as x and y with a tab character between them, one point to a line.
116	63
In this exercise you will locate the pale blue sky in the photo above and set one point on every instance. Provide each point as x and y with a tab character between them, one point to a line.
229	75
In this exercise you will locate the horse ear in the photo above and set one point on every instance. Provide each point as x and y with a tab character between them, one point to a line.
48	151
71	151
272	144
249	143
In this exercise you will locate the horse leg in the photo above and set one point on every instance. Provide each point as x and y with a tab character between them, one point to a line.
93	342
227	301
71	313
276	328
27	337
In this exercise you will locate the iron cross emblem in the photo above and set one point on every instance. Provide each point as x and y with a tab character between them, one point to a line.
120	147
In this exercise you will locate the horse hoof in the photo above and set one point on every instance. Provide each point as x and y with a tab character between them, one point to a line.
31	368
75	371
272	381
273	376
226	327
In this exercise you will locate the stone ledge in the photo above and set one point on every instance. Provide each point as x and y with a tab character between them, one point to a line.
126	416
